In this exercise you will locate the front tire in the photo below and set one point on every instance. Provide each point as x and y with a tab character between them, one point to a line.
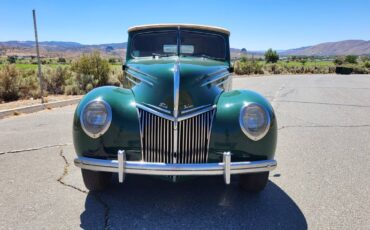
253	182
96	181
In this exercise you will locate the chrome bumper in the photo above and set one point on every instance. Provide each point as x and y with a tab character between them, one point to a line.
226	168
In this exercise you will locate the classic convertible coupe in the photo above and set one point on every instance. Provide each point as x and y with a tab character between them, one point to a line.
178	117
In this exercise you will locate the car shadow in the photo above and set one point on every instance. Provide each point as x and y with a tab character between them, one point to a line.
202	203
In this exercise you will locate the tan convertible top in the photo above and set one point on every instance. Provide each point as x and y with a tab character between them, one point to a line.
192	26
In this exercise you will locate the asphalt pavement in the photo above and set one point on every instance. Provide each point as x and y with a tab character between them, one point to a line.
321	182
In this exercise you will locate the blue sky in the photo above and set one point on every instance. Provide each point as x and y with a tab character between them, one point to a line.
254	24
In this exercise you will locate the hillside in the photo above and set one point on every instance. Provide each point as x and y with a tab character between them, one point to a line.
60	49
354	47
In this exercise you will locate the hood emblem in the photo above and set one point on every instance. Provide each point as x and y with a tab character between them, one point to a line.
163	105
188	106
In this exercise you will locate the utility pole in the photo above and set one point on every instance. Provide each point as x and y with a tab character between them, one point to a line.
38	57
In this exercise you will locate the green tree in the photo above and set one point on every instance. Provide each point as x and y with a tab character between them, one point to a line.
12	59
271	56
62	60
352	59
91	70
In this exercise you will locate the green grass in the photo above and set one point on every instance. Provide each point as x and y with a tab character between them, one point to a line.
308	63
22	66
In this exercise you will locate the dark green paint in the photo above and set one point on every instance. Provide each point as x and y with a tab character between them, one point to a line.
123	132
193	73
227	135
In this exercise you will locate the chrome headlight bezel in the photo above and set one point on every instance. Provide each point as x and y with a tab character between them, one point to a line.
107	121
251	134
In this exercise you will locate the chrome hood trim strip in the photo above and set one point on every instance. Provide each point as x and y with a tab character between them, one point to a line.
172	118
139	78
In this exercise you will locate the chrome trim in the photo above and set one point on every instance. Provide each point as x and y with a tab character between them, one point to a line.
186	141
176	88
222	82
176	97
131	80
171	118
108	121
184	117
121	164
218	72
150	110
156	107
225	168
245	131
195	108
226	75
140	72
140	78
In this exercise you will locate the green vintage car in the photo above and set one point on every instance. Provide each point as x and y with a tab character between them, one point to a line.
179	117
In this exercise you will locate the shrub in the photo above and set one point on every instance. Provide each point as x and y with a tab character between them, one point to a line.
271	56
72	90
9	83
351	59
29	84
248	67
117	78
360	70
367	64
55	79
91	68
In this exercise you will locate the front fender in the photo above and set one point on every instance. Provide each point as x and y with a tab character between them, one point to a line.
226	134
123	132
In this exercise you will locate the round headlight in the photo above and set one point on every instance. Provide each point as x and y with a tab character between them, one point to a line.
95	118
254	121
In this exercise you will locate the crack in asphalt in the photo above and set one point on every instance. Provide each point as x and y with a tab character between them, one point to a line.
95	194
322	126
275	96
65	173
35	148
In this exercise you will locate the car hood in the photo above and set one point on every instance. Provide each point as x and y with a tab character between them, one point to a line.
156	84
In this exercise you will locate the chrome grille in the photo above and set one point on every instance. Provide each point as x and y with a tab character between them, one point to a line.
157	138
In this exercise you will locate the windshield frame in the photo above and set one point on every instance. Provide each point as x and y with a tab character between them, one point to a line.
178	53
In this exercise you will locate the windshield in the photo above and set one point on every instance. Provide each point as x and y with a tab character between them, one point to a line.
202	45
154	44
165	43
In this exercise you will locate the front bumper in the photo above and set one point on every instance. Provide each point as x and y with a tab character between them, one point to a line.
226	168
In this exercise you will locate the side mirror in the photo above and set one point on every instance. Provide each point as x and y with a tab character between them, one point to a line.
124	67
231	69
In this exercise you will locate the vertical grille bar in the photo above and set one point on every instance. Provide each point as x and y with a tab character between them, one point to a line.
192	140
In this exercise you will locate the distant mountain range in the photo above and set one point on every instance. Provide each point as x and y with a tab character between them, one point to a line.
71	49
354	47
60	49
